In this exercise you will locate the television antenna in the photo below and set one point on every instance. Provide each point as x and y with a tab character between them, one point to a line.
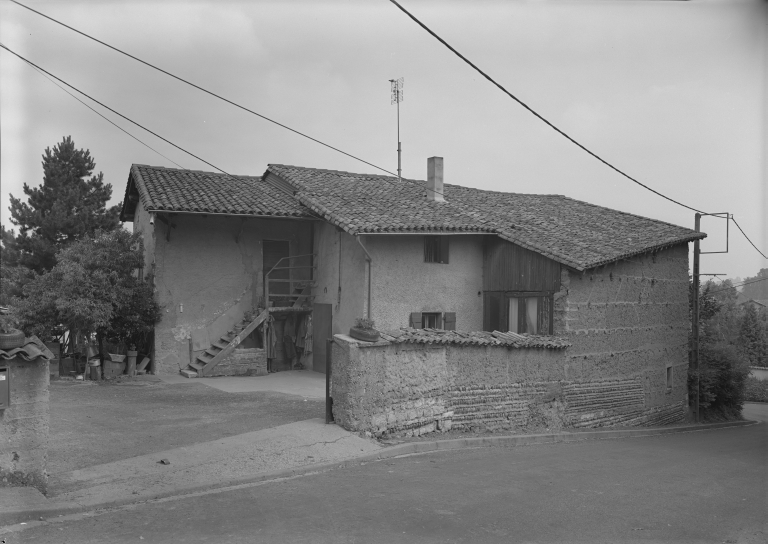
397	97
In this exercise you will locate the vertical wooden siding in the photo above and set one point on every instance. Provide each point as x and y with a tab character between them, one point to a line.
509	267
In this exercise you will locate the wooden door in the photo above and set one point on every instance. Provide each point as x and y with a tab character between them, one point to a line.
322	329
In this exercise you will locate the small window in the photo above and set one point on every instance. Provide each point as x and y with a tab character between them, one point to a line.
669	377
436	249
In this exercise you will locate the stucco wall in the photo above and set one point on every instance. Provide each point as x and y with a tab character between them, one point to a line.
341	275
205	279
403	283
24	425
629	319
413	389
141	225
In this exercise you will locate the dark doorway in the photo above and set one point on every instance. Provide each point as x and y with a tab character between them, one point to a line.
322	329
273	251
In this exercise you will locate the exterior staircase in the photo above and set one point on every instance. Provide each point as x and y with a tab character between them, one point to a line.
207	360
295	294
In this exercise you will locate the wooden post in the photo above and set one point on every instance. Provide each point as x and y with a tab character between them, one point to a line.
695	316
328	367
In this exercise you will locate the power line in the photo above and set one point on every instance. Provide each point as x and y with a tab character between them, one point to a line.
108	120
203	89
113	111
737	285
531	110
747	237
540	117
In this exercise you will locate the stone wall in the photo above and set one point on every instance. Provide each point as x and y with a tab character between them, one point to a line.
629	320
24	425
409	389
242	362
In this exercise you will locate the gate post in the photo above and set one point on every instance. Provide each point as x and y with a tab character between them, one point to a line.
328	370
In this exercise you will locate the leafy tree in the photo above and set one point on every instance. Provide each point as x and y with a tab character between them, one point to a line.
753	337
70	204
93	289
757	290
722	366
723	374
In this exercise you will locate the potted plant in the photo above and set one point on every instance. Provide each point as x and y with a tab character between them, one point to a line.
10	337
363	330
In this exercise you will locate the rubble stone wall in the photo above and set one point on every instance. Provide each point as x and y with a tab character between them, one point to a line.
413	389
242	362
24	425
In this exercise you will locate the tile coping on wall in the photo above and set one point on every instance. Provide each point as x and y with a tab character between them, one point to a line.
400	450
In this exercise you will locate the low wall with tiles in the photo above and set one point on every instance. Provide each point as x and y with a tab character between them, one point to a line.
409	389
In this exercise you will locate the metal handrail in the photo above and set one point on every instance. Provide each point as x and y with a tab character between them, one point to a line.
289	281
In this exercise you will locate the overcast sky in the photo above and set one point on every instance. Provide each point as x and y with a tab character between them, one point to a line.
671	92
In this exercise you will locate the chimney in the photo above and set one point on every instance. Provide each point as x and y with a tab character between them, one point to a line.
435	179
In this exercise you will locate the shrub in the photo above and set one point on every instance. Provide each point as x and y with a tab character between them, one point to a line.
723	373
755	390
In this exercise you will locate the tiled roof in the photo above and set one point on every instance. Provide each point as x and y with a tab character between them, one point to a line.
175	190
476	338
575	233
365	203
32	349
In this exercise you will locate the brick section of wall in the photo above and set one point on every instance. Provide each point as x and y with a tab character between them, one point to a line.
397	389
242	362
24	425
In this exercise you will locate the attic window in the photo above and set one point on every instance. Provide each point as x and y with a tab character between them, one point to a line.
436	249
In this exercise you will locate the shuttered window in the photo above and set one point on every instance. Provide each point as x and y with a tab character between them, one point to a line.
433	320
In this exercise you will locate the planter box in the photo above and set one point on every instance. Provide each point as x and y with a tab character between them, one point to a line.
367	335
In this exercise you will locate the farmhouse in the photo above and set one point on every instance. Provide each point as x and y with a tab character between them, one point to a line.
275	265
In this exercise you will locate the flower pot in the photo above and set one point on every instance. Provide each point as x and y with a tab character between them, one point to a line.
367	335
14	338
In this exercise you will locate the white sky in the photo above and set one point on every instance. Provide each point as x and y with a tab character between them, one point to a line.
671	92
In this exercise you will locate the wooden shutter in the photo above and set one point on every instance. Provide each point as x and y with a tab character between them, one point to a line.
415	320
444	249
449	321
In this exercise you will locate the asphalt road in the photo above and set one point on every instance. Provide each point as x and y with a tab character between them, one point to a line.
705	486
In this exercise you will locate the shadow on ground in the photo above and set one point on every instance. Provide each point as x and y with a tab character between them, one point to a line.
100	422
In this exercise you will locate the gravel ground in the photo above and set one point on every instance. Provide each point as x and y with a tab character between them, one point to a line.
100	422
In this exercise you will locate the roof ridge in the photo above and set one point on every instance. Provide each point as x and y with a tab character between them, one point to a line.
190	171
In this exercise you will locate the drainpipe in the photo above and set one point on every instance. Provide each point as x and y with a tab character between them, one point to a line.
370	261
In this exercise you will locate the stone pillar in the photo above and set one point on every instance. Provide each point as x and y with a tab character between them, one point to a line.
24	424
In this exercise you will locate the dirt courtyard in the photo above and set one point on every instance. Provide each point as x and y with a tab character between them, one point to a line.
100	422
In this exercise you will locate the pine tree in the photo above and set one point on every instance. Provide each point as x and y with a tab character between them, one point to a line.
70	204
752	337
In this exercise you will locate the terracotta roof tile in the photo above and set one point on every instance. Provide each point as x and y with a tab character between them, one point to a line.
474	338
174	190
575	233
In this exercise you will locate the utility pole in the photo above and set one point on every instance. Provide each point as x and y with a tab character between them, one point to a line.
696	287
397	97
695	316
